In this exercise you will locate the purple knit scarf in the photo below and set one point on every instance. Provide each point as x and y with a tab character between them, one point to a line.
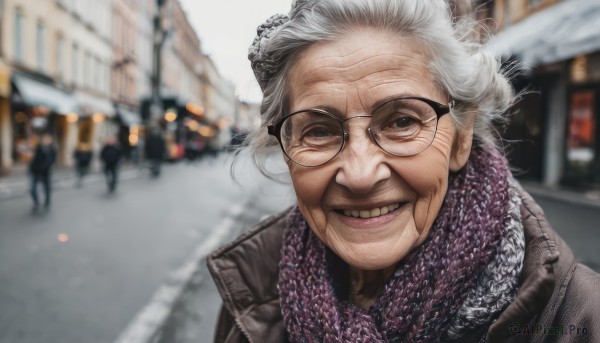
424	294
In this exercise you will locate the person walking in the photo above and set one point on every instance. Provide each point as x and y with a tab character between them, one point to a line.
155	150
83	158
39	170
111	155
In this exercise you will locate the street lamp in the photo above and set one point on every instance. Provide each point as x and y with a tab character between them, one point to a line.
160	35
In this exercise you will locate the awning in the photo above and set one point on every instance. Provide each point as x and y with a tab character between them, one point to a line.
128	117
90	104
562	31
37	92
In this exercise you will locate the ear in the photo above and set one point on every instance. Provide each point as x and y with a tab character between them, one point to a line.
461	149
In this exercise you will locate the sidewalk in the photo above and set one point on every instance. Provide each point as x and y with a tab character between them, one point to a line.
16	183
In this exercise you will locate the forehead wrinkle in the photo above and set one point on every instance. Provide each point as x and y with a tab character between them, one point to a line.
331	67
325	72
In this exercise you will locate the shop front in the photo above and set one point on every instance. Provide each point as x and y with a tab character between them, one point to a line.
560	105
130	131
39	106
96	121
582	163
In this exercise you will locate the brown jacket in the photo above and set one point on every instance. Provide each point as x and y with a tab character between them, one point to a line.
558	300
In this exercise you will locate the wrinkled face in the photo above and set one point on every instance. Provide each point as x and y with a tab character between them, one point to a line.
396	198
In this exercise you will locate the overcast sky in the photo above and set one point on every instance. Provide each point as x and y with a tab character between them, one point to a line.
226	28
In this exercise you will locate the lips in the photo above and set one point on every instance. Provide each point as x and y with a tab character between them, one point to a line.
372	213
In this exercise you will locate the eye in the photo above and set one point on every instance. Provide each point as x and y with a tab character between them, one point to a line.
402	122
321	134
399	126
318	132
313	129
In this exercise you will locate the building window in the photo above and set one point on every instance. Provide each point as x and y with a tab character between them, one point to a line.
75	65
18	35
60	59
40	45
86	69
97	66
107	80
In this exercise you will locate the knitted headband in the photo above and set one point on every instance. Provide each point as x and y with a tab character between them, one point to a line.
263	65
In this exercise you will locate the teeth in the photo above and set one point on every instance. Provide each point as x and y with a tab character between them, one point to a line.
376	212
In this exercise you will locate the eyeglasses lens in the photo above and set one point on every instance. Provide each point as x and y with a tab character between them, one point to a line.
402	127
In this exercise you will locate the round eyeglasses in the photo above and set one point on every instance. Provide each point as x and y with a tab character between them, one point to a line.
403	126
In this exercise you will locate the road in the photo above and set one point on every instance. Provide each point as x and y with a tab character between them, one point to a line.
82	271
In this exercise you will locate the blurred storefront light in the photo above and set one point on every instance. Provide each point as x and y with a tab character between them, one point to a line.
206	131
98	117
579	69
170	116
192	125
40	111
72	117
133	139
195	109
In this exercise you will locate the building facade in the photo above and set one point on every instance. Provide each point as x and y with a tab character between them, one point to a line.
555	125
125	37
80	70
89	47
219	99
59	56
146	11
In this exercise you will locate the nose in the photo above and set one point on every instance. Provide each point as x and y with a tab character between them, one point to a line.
363	165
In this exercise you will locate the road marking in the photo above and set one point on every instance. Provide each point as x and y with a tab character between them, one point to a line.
149	321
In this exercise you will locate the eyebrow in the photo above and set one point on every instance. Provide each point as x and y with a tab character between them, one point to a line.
337	113
391	97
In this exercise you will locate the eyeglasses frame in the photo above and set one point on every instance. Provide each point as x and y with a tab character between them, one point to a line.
439	109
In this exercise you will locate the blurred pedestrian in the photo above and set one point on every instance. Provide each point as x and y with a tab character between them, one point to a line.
111	155
212	148
39	170
190	150
155	151
83	159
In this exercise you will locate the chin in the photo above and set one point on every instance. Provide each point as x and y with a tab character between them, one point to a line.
366	258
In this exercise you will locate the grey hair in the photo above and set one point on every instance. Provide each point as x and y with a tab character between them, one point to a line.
445	29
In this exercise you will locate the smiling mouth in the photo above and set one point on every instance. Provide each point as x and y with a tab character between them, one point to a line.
372	213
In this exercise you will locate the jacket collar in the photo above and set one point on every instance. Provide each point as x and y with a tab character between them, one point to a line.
246	272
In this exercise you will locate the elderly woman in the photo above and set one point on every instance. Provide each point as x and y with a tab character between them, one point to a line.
409	226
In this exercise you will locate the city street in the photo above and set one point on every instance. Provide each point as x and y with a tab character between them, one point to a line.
83	271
